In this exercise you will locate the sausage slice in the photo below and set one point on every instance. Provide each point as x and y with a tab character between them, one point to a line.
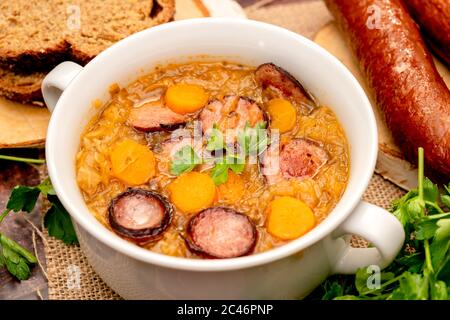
221	233
283	84
231	114
153	116
140	215
298	159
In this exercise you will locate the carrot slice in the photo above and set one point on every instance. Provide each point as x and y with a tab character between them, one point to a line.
282	115
289	218
232	190
132	163
192	192
185	98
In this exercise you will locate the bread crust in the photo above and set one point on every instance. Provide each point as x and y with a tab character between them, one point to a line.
22	88
68	48
18	68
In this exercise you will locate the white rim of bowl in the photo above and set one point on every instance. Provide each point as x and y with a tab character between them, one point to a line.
145	255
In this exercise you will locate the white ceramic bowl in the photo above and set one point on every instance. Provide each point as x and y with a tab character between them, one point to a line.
290	271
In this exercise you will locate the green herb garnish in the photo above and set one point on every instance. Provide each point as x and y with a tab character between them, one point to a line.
184	160
216	140
13	256
251	142
254	140
422	269
58	223
21	159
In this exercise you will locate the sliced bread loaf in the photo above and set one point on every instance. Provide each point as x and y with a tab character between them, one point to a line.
39	34
19	87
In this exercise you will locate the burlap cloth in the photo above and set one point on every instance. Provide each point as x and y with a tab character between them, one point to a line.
305	17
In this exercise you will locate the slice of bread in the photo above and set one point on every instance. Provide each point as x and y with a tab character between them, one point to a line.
19	87
101	27
37	35
33	50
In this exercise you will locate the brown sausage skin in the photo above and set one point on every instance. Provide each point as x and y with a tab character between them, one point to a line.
153	117
401	73
139	215
272	77
433	16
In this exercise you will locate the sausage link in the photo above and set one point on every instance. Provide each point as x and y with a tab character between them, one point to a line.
433	16
400	71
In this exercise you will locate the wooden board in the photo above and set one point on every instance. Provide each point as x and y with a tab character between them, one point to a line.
22	125
391	164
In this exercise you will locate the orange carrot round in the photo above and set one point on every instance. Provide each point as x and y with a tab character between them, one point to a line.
232	190
192	192
185	98
132	163
282	115
289	218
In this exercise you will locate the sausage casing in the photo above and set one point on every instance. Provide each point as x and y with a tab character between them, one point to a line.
433	16
401	73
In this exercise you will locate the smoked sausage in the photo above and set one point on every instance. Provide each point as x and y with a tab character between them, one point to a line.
433	16
220	232
400	71
140	215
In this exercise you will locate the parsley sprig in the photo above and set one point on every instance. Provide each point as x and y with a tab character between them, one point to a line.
184	160
251	141
422	269
13	256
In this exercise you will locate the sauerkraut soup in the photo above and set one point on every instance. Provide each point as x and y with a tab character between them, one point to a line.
212	160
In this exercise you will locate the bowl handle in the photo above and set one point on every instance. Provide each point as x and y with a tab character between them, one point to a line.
376	225
57	81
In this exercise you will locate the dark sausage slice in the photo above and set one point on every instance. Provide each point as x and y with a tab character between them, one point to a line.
221	233
140	215
298	159
284	84
401	73
433	16
153	116
231	114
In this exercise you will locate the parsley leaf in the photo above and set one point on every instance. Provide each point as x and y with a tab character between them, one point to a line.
16	258
184	160
23	198
219	173
254	140
412	287
430	190
46	187
426	230
236	163
215	141
439	291
446	200
57	221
